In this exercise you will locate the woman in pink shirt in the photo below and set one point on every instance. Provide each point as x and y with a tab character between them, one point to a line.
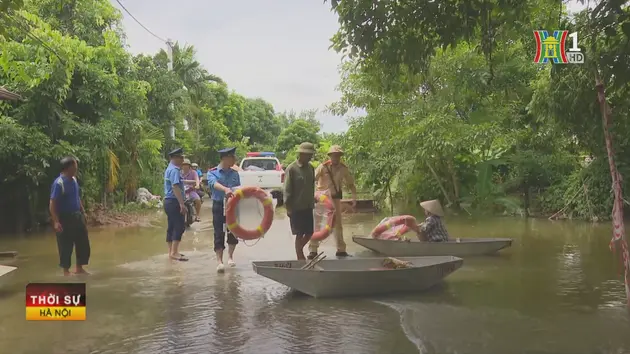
191	184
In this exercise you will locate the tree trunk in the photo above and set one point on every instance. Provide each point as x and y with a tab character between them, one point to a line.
455	181
526	199
619	233
391	199
437	179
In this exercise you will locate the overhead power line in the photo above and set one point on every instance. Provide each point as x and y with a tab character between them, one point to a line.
140	23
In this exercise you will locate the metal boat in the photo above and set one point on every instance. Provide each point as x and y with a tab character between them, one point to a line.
414	248
5	273
358	276
8	254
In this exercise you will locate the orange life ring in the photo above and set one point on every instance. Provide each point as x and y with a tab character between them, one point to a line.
330	217
408	222
230	213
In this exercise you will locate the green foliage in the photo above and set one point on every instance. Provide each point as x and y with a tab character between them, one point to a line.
85	95
298	129
456	110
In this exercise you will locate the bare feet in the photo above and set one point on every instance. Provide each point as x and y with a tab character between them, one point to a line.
66	273
81	271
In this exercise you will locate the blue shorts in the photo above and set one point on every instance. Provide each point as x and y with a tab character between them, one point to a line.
176	222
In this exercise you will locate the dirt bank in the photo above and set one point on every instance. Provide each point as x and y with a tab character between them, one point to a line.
98	216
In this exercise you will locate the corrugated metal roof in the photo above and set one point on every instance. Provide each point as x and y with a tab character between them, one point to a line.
8	95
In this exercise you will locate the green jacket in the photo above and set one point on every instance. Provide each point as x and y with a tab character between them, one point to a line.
299	186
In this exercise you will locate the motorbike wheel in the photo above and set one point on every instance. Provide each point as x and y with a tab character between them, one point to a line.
190	217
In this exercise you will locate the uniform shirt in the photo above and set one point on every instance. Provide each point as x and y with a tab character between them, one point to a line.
65	192
433	228
299	186
227	177
172	177
340	174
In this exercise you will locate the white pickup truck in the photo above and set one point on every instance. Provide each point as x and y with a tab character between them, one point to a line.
263	169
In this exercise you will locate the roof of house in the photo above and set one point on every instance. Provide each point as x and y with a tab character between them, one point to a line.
8	95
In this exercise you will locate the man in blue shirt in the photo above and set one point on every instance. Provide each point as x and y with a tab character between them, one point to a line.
221	180
195	167
174	204
201	191
68	216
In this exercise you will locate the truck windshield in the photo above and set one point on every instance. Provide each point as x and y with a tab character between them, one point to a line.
259	165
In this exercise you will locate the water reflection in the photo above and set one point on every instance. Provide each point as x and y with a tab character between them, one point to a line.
555	291
228	327
175	299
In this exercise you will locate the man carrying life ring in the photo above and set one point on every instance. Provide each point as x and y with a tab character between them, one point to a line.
331	176
221	180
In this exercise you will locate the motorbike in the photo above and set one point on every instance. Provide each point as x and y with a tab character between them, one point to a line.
189	203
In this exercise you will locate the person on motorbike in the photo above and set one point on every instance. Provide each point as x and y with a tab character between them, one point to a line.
191	185
200	191
196	168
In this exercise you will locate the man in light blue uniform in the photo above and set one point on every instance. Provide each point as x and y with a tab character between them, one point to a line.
174	204
221	180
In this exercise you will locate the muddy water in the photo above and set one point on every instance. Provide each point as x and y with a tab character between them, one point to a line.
555	291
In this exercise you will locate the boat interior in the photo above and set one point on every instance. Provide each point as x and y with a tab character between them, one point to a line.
356	264
452	240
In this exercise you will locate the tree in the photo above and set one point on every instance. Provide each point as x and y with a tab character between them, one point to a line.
87	96
262	126
297	132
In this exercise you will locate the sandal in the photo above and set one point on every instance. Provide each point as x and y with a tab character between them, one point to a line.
197	220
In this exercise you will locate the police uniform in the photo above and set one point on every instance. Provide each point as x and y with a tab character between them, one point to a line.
229	178
176	220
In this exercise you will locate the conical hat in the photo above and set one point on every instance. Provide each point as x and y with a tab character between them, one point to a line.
433	206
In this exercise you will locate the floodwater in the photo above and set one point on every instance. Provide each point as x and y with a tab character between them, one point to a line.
556	291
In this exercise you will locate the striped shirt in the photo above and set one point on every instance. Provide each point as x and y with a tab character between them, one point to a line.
434	230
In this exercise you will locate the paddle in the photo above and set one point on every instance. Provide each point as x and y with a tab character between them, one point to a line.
307	265
313	264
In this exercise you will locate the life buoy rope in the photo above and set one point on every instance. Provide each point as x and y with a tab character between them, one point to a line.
409	222
325	231
230	213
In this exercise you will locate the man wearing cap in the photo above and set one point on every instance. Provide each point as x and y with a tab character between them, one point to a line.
201	191
433	229
174	204
332	176
299	197
191	186
197	170
221	180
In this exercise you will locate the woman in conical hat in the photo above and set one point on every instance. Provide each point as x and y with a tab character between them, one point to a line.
433	229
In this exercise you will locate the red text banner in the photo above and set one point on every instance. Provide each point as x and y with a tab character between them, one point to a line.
55	302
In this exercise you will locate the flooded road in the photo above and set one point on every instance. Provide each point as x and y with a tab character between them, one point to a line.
554	292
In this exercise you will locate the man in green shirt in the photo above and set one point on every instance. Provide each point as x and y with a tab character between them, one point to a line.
299	197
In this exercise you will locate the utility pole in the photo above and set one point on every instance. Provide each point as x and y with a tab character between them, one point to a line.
169	44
